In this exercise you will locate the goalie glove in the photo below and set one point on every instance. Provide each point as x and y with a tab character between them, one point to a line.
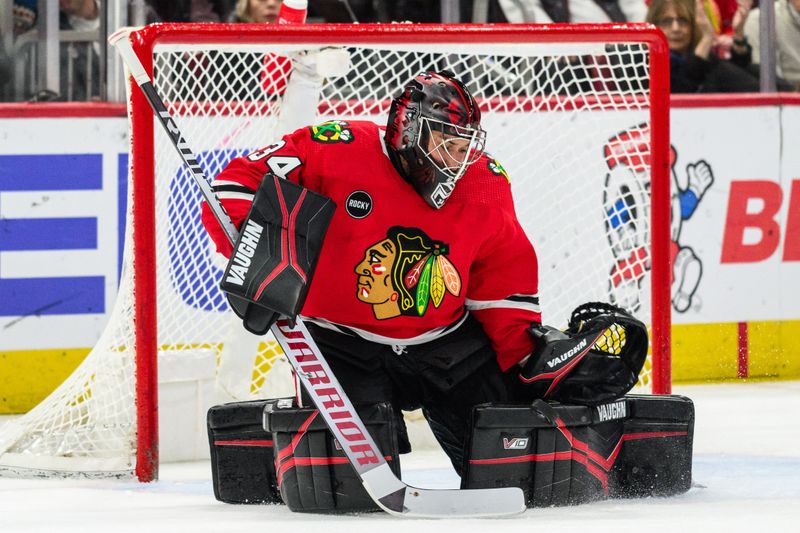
273	260
596	360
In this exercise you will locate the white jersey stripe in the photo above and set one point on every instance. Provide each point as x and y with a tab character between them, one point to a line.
220	183
229	195
380	339
476	305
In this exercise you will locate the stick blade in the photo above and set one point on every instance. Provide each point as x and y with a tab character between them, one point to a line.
455	503
399	499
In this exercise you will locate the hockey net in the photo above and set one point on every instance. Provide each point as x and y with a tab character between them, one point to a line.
576	115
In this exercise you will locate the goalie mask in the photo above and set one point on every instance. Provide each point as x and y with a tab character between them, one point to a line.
433	134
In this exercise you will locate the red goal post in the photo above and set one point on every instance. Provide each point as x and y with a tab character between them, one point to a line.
578	116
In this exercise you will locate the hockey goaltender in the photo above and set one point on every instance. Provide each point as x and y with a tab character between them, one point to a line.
424	295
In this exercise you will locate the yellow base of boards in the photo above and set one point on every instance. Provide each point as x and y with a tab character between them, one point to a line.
27	377
729	351
700	353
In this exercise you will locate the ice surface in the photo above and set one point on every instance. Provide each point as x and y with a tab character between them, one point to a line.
746	472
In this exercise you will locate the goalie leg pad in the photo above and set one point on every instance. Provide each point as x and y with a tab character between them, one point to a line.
242	461
559	454
313	472
274	257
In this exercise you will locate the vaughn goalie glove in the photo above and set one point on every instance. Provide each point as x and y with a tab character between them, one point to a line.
273	260
596	360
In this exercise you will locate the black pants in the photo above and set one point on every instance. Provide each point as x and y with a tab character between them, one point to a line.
445	378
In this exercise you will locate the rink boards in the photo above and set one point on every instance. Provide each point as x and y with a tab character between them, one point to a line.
63	182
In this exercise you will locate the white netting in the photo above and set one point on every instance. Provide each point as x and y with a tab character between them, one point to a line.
568	122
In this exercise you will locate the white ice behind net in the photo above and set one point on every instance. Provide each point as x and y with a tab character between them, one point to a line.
568	123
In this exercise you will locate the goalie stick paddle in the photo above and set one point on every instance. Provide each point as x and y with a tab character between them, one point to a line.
388	492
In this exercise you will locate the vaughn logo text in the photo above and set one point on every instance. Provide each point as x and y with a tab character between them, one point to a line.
244	253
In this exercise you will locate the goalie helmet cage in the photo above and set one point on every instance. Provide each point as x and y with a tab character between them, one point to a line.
577	117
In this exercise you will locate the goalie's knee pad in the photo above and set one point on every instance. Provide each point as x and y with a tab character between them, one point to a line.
559	454
313	473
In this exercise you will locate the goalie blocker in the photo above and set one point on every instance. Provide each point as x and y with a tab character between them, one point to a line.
273	260
637	446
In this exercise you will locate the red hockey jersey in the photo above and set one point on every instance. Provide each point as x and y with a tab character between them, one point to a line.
393	269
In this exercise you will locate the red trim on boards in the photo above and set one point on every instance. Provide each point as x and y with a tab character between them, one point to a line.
687	101
113	109
63	110
742	362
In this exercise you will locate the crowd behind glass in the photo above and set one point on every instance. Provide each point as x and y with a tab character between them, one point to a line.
714	44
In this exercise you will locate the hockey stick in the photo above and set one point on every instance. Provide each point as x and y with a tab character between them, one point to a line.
388	492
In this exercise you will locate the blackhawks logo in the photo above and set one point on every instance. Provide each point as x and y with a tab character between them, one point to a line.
404	273
497	168
333	131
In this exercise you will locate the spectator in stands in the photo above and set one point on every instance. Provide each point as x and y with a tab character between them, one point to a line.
257	11
547	11
347	11
80	15
188	10
725	11
409	10
787	39
78	63
5	67
338	11
693	65
272	70
24	16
